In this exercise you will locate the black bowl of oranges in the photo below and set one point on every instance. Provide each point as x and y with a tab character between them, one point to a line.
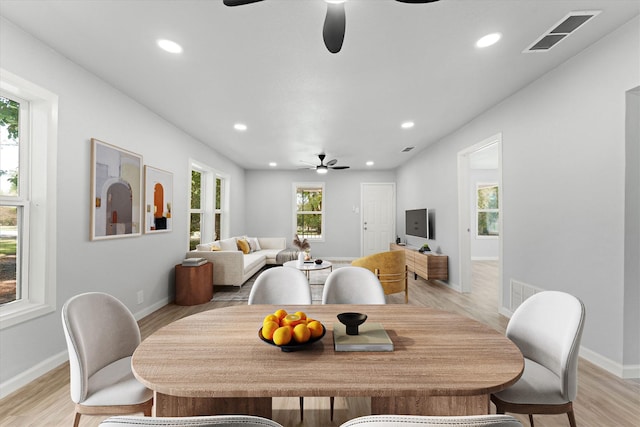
290	332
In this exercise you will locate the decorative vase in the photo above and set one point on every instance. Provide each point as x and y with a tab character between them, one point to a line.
300	258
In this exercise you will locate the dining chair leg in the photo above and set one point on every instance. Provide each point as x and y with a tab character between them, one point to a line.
76	420
572	418
531	419
301	408
331	402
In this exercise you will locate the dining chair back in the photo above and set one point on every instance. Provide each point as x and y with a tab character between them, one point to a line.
281	285
433	421
101	335
547	328
202	421
391	269
352	285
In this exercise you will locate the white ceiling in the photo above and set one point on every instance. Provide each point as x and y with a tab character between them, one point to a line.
265	65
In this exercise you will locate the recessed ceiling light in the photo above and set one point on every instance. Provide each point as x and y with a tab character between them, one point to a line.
488	40
369	163
169	46
273	164
240	126
407	125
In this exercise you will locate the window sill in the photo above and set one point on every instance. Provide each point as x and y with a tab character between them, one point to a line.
21	311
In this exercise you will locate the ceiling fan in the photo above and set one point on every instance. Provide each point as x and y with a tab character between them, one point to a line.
322	168
334	22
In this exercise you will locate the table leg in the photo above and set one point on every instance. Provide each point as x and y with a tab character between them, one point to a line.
175	406
431	405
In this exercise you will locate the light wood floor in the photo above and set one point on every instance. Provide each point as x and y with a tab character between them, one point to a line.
603	399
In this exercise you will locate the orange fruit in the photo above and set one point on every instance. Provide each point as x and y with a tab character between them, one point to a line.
280	313
282	335
301	333
315	328
268	328
290	320
271	318
301	314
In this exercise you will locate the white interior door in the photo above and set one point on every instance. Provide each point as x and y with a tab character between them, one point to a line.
378	217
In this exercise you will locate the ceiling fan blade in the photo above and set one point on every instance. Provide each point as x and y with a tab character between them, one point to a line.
239	2
334	27
332	162
416	1
340	167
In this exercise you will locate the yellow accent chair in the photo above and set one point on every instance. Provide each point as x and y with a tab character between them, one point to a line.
390	268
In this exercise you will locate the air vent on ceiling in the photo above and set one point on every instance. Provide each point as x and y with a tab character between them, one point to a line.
407	149
561	30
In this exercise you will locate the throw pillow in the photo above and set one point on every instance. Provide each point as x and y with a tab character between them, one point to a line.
243	245
229	244
215	248
255	246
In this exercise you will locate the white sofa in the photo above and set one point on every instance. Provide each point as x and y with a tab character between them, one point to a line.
231	266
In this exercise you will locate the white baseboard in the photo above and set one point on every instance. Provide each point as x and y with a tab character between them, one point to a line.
150	309
617	369
20	380
485	258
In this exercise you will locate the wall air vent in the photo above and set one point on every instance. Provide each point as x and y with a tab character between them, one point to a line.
561	30
407	149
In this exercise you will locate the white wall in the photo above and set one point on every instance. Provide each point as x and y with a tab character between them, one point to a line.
563	148
88	108
269	206
632	232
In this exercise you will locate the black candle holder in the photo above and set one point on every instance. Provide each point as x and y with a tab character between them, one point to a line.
352	321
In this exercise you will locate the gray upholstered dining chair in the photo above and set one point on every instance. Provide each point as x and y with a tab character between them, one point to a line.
202	421
101	335
433	421
352	285
280	285
547	328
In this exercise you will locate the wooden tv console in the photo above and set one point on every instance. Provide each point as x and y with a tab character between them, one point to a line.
428	265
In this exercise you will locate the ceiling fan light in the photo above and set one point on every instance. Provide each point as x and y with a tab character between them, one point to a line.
322	169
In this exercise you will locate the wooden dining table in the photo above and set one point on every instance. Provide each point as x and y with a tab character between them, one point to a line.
214	363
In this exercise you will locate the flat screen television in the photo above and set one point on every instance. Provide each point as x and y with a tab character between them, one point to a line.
417	223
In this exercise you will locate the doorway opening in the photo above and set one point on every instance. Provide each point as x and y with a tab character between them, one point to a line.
480	217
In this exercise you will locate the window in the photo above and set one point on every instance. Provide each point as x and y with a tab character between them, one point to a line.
28	139
207	217
309	210
487	203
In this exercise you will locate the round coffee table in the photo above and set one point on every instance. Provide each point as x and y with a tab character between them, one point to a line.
308	267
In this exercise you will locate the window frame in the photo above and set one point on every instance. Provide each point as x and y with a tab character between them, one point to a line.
208	208
478	210
37	184
309	185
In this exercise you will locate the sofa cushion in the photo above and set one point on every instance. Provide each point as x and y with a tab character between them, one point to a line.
243	245
229	244
253	260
